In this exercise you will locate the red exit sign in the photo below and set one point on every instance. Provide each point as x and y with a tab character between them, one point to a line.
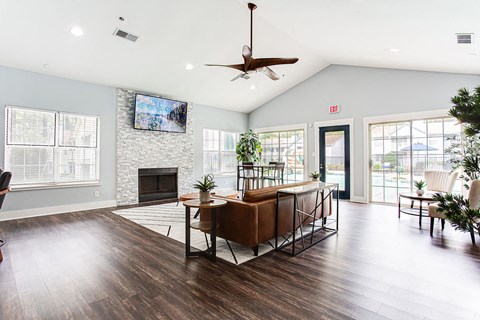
334	109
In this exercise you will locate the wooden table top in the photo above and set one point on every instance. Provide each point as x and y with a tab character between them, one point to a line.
233	194
195	203
428	196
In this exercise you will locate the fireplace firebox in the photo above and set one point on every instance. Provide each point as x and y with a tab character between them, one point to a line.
157	184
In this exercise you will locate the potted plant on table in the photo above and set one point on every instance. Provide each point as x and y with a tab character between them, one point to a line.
420	185
315	175
248	149
205	186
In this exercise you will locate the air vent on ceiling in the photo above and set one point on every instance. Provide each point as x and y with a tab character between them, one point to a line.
464	38
125	35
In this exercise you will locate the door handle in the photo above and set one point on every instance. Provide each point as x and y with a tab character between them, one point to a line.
321	166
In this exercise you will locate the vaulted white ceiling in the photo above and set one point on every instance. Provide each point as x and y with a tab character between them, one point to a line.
172	33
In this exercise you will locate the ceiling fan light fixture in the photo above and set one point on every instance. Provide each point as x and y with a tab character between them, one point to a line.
76	31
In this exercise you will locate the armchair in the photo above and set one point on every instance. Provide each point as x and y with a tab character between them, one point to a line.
440	181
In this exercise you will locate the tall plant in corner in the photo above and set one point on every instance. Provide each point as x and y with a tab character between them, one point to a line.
466	108
465	150
466	155
249	147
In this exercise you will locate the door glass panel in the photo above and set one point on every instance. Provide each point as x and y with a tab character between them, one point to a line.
335	158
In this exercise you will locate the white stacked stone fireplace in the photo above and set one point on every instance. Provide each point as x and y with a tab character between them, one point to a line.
140	149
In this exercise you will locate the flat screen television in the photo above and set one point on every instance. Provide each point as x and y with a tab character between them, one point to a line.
159	114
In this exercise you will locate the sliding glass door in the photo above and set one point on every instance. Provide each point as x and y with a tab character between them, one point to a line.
400	152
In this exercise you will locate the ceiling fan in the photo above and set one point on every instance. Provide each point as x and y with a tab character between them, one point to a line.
251	64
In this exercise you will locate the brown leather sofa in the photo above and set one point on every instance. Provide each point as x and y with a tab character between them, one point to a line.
251	221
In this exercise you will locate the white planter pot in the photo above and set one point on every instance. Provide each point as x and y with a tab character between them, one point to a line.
204	196
314	179
420	192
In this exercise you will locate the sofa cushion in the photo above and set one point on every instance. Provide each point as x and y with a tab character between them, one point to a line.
269	192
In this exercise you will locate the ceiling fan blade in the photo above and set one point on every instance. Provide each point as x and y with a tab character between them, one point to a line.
265	62
240	67
269	73
247	56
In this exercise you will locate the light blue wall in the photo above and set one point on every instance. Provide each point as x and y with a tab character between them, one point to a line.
215	118
361	92
28	89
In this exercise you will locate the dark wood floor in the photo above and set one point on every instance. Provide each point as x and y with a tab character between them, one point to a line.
96	265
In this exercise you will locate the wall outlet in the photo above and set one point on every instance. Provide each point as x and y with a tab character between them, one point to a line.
96	194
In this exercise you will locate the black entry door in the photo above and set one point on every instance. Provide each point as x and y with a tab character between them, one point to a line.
334	157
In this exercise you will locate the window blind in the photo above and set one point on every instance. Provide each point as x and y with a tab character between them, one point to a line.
38	151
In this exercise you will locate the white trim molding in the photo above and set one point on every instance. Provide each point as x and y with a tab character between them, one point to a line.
367	121
46	211
286	127
339	122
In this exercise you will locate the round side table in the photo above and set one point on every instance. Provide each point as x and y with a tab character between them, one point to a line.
413	196
211	252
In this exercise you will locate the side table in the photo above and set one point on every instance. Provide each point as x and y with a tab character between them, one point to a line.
427	197
211	252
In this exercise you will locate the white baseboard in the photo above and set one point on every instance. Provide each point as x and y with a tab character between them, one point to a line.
36	212
358	199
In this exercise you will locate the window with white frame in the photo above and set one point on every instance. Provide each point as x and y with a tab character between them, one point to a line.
219	156
285	146
45	147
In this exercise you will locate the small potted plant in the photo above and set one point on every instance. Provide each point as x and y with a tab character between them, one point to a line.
205	187
420	185
315	175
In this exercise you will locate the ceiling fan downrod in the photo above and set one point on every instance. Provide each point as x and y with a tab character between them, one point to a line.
252	7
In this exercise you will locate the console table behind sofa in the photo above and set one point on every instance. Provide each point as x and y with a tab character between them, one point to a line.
251	221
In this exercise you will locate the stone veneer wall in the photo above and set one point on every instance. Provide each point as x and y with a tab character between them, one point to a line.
149	149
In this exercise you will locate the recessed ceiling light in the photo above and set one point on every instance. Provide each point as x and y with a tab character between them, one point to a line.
77	31
252	87
47	66
394	50
189	66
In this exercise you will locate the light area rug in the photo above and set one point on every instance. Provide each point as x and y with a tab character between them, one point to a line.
169	220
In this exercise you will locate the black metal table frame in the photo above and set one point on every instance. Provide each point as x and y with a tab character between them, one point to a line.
419	209
210	252
2	242
260	168
297	214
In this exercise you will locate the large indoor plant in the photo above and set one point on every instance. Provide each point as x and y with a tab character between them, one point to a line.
249	147
465	152
466	108
457	210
